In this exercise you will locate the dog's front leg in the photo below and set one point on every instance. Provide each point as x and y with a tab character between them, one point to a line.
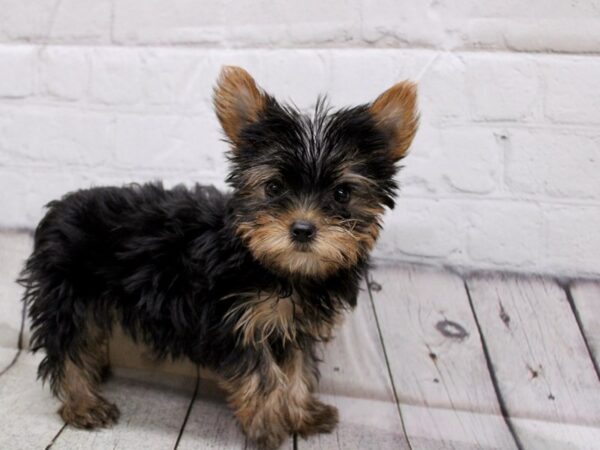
276	399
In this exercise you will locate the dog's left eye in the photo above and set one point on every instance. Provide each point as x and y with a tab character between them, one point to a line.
342	194
274	188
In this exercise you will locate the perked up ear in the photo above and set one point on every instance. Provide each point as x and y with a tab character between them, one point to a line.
238	101
395	113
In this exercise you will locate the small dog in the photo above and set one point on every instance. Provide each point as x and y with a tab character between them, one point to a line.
245	283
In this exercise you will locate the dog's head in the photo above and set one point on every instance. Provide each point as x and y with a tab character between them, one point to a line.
310	190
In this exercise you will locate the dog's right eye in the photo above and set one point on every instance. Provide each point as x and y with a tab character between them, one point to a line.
273	188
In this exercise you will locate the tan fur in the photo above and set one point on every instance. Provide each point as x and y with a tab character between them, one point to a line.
78	388
238	101
395	111
337	243
269	409
256	177
263	314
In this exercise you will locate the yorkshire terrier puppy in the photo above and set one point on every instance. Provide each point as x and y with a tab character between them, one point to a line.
246	283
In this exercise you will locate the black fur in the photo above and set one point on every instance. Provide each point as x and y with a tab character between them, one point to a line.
159	261
170	265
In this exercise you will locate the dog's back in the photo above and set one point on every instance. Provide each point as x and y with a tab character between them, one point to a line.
138	252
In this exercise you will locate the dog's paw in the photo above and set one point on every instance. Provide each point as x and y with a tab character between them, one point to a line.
322	418
97	414
270	441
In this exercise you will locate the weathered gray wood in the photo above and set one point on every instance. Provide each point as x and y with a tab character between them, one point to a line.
7	355
437	361
544	372
29	419
153	408
355	379
211	424
14	249
586	296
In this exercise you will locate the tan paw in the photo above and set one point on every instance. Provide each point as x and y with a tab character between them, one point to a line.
97	414
322	419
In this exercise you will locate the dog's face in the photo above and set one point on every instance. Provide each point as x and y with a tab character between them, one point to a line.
310	191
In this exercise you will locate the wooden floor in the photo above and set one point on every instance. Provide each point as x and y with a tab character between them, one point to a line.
428	360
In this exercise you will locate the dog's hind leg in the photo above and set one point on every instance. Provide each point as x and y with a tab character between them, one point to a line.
78	383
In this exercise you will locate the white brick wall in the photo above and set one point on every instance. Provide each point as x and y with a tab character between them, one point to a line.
504	173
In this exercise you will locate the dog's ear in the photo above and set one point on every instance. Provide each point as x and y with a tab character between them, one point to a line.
238	101
395	113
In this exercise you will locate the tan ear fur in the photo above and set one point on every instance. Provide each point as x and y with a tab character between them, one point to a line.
395	112
237	100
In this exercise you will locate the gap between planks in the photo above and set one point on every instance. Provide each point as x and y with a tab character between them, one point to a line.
492	373
19	341
370	283
189	410
540	354
568	291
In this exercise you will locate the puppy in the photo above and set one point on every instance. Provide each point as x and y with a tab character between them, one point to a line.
246	283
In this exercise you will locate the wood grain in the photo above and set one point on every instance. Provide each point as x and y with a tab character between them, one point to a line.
586	298
211	424
153	407
29	418
7	355
542	365
437	361
355	379
14	249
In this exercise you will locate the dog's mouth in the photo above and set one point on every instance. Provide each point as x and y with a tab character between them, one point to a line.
302	247
316	252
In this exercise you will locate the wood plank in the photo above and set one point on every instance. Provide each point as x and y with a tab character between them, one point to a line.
211	423
29	418
7	356
542	365
586	297
437	361
153	408
14	249
354	378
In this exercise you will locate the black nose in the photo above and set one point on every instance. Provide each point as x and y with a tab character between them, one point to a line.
303	231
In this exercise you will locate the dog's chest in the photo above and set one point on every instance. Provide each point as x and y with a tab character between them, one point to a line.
266	315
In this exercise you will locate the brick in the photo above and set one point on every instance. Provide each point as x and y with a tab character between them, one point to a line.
507	234
502	87
17	75
442	89
60	137
243	23
178	78
170	142
25	190
538	25
572	94
558	163
392	23
420	169
116	77
470	160
351	78
285	76
65	72
424	228
572	242
458	160
43	21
